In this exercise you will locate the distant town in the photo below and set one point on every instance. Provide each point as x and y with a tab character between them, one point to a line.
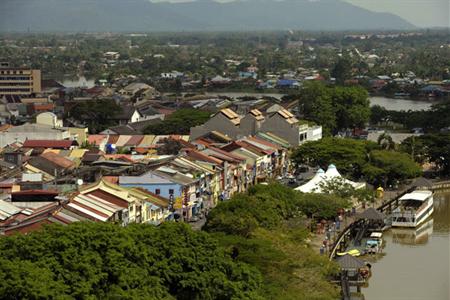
263	163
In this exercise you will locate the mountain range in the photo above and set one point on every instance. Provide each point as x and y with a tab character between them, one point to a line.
200	15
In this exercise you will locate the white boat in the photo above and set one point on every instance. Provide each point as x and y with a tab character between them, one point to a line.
413	209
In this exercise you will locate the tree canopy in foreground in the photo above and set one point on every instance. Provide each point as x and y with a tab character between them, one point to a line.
105	261
265	256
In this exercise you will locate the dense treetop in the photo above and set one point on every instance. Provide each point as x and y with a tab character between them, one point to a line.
179	122
356	159
335	108
102	261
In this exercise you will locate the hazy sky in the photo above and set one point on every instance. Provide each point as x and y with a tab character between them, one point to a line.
422	13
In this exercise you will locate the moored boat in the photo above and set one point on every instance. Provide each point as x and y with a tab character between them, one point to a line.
413	209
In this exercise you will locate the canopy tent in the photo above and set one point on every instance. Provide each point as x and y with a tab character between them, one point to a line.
371	214
321	177
313	183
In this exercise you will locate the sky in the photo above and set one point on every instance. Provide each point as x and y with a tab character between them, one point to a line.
422	13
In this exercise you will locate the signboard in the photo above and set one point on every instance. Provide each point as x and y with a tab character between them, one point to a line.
178	203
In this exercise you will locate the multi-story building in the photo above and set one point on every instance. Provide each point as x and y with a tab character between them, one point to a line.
19	81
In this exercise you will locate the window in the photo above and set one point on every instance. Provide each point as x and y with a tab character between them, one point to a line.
171	191
157	191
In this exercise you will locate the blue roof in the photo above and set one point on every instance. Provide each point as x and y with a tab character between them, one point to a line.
287	82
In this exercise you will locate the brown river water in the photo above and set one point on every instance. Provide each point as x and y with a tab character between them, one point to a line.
416	264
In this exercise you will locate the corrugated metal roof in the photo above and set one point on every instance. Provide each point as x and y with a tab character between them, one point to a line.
122	140
134	140
147	141
88	212
47	144
78	153
7	210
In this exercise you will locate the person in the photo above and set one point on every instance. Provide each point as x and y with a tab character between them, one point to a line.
353	211
322	250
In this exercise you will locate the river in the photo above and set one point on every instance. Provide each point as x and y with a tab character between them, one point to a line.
417	261
388	103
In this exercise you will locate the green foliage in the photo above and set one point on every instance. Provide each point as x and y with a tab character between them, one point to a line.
96	114
322	206
434	148
342	70
265	228
180	122
348	155
396	166
103	261
432	120
357	158
335	108
263	206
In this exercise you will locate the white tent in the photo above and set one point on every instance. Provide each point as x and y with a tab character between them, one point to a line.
313	186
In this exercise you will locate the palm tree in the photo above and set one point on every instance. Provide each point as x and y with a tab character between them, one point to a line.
386	142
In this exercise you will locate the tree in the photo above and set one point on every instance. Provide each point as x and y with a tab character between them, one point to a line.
179	122
342	70
104	261
348	155
385	142
97	114
316	105
352	107
378	114
169	147
434	148
357	159
396	166
335	108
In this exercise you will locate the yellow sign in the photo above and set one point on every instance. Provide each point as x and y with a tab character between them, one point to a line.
178	203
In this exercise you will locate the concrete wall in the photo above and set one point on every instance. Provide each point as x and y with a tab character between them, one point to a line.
218	123
27	132
249	125
277	125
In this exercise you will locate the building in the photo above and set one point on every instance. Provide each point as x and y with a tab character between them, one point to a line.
32	131
280	122
19	81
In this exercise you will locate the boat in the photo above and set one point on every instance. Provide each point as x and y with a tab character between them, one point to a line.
413	209
374	243
353	252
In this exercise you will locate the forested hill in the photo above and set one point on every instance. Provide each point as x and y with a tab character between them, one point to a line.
200	15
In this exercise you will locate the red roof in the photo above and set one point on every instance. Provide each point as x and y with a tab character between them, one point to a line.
58	160
65	144
43	107
36	192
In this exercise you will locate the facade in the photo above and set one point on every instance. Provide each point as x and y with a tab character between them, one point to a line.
281	123
19	81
